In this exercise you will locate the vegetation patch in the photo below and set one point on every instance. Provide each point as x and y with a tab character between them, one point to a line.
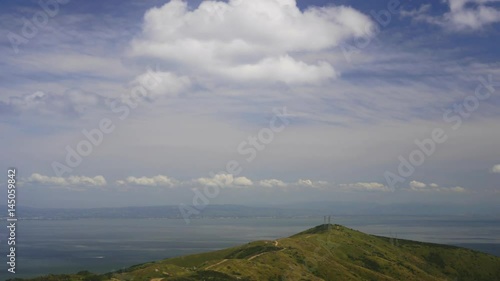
246	253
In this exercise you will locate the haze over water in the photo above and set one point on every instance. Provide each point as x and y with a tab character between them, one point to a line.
103	245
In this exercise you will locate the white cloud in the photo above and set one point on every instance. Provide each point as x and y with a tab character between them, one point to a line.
272	183
284	68
159	83
463	15
70	181
225	180
416	185
121	182
248	40
87	181
242	181
364	186
145	181
496	169
311	183
222	180
46	180
420	186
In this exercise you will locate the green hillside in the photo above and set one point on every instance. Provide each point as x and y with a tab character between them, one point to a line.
325	252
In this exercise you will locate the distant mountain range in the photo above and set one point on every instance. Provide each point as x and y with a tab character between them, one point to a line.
288	210
326	252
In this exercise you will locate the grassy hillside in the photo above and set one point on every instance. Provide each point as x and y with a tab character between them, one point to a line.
326	252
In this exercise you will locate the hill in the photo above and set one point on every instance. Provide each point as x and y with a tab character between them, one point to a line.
326	252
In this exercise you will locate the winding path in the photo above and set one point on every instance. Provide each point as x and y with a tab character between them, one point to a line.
276	243
210	266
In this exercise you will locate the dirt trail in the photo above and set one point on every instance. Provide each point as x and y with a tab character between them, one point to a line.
276	243
224	260
253	257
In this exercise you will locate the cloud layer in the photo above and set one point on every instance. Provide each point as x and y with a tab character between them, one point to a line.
248	41
38	179
365	186
219	69
70	103
463	15
229	181
145	181
420	186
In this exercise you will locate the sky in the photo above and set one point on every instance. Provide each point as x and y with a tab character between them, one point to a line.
136	103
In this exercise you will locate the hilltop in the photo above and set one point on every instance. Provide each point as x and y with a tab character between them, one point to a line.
325	252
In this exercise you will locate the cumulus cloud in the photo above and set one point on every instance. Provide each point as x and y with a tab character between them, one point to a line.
420	186
285	69
496	169
463	15
242	181
364	186
311	183
70	181
87	181
248	40
229	181
416	185
225	180
46	180
272	183
159	180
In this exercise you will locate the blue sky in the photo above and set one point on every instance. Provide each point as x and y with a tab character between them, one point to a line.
182	88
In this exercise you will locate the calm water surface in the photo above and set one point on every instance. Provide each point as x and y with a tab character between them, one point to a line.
103	245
